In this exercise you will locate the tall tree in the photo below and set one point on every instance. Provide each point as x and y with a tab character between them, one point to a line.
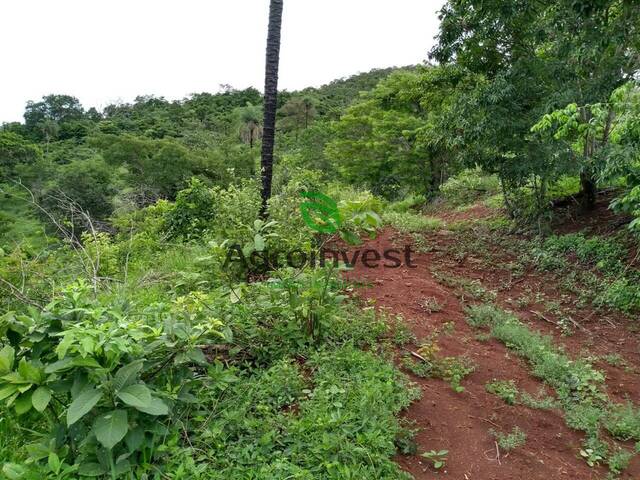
270	99
249	122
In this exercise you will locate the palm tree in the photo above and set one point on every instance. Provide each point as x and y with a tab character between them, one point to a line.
249	119
270	99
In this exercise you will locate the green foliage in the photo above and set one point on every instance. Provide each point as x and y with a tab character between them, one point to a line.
15	150
468	186
408	222
580	387
344	411
607	256
623	422
376	141
431	365
510	441
90	184
437	458
102	379
619	461
505	389
193	211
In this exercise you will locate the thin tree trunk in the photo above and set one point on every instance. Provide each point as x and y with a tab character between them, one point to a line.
587	182
270	99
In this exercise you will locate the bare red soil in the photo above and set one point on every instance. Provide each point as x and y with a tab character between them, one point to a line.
461	422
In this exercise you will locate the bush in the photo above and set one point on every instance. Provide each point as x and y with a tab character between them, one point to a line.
411	223
96	383
469	186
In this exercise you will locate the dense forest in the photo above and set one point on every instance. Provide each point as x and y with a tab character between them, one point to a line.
157	322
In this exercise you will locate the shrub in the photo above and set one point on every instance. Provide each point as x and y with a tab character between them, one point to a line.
510	441
468	186
505	389
408	222
101	379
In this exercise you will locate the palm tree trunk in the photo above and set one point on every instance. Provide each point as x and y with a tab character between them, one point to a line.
270	99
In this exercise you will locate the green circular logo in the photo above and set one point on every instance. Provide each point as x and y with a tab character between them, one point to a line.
320	213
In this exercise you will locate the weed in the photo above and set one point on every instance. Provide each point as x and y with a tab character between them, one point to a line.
430	305
484	315
594	450
505	389
430	365
623	422
420	243
483	337
579	386
619	461
405	441
402	334
510	441
473	288
615	360
407	222
438	458
541	401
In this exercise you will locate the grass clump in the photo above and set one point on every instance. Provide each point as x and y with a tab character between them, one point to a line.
579	386
510	441
610	280
504	389
407	222
472	288
468	186
432	365
623	422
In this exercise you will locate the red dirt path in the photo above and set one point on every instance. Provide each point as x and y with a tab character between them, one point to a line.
460	422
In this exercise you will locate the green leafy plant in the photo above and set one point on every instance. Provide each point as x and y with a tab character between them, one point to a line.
510	441
505	389
438	458
106	384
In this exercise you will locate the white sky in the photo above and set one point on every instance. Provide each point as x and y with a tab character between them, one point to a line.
113	50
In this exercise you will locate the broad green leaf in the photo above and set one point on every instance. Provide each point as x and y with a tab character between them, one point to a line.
13	471
64	345
88	362
58	366
7	391
258	242
16	379
156	407
41	398
134	439
122	467
86	400
91	470
54	463
37	451
138	396
23	403
7	356
29	371
111	427
126	375
350	238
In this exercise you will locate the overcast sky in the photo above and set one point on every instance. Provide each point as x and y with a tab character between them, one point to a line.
113	50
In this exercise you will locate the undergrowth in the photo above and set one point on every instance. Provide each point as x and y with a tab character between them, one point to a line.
579	386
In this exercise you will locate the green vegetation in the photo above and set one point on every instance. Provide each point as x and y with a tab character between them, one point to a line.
510	441
429	364
437	458
161	315
579	386
505	389
410	222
